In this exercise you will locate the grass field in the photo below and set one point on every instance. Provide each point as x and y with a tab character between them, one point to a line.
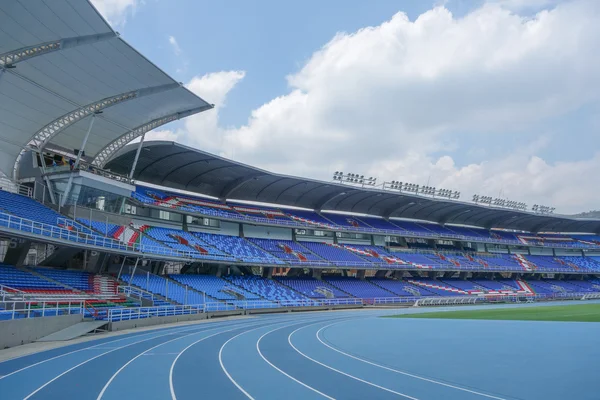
575	312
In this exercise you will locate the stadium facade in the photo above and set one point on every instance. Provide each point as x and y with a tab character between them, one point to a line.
159	223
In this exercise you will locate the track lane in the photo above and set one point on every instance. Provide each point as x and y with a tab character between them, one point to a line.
277	350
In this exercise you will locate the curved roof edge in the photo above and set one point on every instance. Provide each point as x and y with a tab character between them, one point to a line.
177	166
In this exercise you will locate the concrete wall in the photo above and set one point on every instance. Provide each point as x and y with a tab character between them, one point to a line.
20	331
138	323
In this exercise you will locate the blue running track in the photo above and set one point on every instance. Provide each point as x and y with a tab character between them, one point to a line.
329	355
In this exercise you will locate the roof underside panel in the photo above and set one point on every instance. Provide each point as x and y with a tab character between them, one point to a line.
31	22
43	88
177	166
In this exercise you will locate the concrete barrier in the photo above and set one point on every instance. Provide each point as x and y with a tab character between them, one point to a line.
16	332
139	323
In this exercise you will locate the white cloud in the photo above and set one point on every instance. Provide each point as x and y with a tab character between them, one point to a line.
174	45
388	101
116	11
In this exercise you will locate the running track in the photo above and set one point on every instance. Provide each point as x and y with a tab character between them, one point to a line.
330	355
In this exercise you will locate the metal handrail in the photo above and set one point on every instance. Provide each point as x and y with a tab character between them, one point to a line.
15	187
229	305
32	309
95	239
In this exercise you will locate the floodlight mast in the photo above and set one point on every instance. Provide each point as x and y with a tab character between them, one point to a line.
502	203
353	178
423	190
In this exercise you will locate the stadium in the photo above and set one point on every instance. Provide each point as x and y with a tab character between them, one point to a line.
150	269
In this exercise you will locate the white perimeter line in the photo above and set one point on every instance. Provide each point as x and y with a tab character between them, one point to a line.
341	372
402	372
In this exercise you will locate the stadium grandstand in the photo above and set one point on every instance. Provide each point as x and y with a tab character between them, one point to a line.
95	226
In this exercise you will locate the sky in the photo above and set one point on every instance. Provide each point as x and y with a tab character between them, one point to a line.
496	97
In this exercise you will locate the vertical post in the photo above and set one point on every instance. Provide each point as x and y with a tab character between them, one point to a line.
85	139
137	156
106	226
90	217
121	269
147	280
137	260
186	296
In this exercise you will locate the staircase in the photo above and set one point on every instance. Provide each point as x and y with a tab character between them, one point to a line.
438	287
524	263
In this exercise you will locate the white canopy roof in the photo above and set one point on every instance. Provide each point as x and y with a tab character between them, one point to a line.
60	64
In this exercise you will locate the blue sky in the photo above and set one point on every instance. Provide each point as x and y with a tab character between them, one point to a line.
268	39
478	96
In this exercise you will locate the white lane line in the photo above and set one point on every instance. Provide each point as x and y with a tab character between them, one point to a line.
403	372
171	330
342	372
112	378
225	369
259	352
91	359
283	372
173	396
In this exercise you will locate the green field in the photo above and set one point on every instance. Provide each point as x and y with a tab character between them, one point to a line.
575	312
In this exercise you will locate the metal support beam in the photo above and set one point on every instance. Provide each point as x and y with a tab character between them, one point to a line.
107	152
76	165
13	57
85	139
137	156
48	132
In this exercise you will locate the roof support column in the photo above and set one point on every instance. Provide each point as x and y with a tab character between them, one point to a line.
76	165
85	139
137	156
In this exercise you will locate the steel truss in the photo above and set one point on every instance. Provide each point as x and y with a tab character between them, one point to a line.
11	58
106	153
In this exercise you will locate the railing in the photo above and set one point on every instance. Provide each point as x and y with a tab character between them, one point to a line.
397	232
121	314
83	166
13	187
96	239
8	293
591	296
125	314
445	301
138	293
32	309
